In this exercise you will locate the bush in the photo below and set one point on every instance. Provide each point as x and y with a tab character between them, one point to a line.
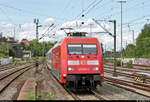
129	64
106	60
118	62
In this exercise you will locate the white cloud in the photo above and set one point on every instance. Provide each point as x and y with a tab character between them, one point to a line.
27	31
4	25
27	35
28	26
49	21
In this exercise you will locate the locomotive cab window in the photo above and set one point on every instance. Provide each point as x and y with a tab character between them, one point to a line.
74	49
89	49
82	49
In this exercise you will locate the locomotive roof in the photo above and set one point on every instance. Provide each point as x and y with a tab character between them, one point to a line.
57	44
71	38
82	39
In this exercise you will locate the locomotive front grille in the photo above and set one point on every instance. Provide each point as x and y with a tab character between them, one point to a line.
76	77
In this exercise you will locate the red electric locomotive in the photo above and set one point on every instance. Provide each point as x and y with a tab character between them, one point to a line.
77	61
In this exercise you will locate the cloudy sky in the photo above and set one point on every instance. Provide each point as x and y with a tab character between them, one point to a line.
17	16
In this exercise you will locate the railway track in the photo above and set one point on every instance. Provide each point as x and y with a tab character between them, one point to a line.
93	93
4	65
126	69
7	67
10	66
7	79
128	85
136	67
96	93
127	74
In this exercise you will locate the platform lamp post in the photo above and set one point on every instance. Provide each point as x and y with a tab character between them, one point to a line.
114	36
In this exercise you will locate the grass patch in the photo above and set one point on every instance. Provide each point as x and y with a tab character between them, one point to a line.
129	64
49	96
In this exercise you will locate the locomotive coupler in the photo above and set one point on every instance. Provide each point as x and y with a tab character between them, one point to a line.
83	80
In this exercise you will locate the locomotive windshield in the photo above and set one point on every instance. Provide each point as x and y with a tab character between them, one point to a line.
74	49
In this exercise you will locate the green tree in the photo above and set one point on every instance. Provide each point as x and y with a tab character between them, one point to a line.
143	43
37	48
6	50
130	51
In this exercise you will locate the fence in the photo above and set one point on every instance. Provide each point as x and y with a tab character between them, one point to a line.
4	61
140	61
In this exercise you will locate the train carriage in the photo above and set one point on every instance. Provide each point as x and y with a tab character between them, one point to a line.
77	61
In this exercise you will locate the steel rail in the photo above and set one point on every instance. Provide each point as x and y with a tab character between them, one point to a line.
12	80
129	83
7	75
124	87
97	95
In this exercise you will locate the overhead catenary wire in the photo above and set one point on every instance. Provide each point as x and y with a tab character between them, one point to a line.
136	19
43	35
67	6
88	9
92	7
7	16
131	8
31	12
85	9
115	13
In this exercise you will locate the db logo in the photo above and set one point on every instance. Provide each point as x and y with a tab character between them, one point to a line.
83	62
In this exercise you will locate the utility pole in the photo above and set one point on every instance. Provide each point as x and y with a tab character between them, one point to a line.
14	33
90	29
114	74
114	36
36	21
133	36
121	28
132	33
147	21
43	48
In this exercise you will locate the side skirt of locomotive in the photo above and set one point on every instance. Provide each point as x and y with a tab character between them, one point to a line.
56	73
83	80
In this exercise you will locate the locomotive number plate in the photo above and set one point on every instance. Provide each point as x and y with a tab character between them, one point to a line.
83	69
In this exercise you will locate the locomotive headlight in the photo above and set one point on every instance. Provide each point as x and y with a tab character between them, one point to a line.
82	56
73	62
70	69
64	74
95	68
92	62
